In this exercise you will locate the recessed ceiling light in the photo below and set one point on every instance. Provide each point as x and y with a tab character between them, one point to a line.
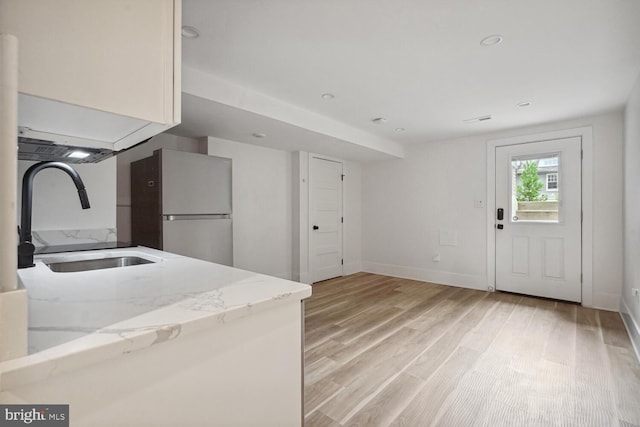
400	129
190	33
379	121
79	154
491	40
258	135
328	96
478	119
524	104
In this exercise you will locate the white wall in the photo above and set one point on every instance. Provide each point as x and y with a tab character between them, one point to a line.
300	202
405	203
124	159
631	303
55	199
262	206
352	210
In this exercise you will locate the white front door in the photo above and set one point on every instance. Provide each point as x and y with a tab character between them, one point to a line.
325	209
538	219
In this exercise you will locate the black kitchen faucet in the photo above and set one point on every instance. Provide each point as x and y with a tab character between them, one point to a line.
25	247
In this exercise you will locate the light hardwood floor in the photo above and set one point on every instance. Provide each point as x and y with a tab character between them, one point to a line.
385	351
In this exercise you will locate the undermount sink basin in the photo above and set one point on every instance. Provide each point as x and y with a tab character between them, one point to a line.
96	264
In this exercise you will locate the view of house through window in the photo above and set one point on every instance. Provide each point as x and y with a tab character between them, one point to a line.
535	189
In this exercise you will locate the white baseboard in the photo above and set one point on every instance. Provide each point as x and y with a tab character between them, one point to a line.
633	329
425	275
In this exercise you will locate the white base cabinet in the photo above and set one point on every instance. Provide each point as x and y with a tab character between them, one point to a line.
247	372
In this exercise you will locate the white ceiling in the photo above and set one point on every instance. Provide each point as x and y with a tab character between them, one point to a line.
417	63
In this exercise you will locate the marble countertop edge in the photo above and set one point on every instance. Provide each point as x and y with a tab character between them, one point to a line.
220	294
126	337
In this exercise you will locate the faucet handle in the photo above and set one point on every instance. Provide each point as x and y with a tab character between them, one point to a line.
25	255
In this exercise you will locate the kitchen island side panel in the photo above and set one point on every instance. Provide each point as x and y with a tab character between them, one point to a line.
246	372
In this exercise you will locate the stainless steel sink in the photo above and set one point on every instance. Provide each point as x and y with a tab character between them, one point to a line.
96	264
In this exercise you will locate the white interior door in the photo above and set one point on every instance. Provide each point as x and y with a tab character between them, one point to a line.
325	210
538	239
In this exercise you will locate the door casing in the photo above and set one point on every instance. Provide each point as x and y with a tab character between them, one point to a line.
586	133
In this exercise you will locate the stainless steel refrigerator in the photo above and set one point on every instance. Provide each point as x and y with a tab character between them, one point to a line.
181	203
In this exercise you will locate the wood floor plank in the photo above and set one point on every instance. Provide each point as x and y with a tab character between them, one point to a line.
390	351
424	407
593	388
613	330
561	342
326	350
365	321
319	335
484	333
627	383
383	331
447	341
313	372
317	393
388	404
463	405
318	419
382	361
366	342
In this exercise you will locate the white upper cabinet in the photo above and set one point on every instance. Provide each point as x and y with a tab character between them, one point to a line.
95	72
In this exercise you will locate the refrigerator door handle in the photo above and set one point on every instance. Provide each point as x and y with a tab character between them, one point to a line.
192	217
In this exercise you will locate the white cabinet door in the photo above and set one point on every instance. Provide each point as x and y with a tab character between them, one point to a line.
116	56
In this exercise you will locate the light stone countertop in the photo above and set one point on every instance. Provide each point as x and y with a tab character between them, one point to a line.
81	318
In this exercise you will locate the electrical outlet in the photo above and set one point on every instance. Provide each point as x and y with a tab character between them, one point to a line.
436	257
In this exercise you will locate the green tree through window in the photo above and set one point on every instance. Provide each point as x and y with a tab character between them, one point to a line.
529	188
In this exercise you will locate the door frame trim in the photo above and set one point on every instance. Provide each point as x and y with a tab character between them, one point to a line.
586	134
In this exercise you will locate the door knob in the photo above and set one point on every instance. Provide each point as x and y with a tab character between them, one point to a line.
315	227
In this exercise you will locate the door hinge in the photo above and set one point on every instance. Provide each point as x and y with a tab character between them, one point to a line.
342	219
342	177
580	277
342	262
581	216
581	153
